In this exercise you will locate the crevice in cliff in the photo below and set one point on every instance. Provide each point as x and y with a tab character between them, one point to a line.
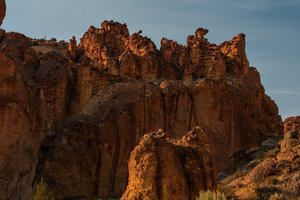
71	89
98	167
158	180
165	111
97	174
144	104
192	112
117	152
185	172
203	171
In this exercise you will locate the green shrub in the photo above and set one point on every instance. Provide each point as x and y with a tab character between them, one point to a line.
43	192
211	195
52	40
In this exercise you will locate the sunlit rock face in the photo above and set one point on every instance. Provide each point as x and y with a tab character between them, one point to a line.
277	173
73	115
292	123
160	168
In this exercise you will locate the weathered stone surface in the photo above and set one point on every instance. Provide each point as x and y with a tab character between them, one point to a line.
72	47
28	117
200	32
2	10
278	172
164	169
19	136
235	54
87	114
292	123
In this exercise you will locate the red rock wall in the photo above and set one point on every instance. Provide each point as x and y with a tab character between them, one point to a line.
20	139
86	114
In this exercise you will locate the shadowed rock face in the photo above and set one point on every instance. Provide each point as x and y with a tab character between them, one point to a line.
164	169
2	10
84	111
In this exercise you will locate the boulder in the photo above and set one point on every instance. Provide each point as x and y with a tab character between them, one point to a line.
166	169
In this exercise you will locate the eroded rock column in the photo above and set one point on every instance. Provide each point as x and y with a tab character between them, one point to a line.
2	10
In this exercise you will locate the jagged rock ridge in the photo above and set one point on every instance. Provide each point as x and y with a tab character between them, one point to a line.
74	117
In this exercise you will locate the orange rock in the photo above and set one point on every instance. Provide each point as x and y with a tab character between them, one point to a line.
86	117
235	55
292	123
200	32
72	47
278	172
161	169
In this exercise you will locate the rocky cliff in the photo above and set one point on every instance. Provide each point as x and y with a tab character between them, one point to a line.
73	113
164	169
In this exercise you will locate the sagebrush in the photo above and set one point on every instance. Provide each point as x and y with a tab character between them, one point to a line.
211	195
43	192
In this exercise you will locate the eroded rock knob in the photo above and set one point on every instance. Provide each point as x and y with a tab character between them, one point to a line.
2	10
200	32
72	47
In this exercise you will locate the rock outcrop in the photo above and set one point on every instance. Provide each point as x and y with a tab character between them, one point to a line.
164	169
72	47
82	117
292	124
2	10
277	171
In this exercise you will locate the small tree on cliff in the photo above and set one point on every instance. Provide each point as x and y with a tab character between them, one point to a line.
42	192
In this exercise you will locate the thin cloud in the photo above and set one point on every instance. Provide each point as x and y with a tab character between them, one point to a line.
261	4
284	92
253	4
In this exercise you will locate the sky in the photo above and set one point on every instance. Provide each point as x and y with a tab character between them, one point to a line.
272	29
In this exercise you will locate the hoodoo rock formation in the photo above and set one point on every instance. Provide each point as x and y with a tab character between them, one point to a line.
2	10
74	121
164	169
72	47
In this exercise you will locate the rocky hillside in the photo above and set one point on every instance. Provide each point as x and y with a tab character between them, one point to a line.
271	171
73	113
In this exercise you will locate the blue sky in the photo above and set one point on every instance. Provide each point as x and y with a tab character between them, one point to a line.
272	29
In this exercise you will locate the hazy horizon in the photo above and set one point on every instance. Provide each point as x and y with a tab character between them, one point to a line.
271	27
